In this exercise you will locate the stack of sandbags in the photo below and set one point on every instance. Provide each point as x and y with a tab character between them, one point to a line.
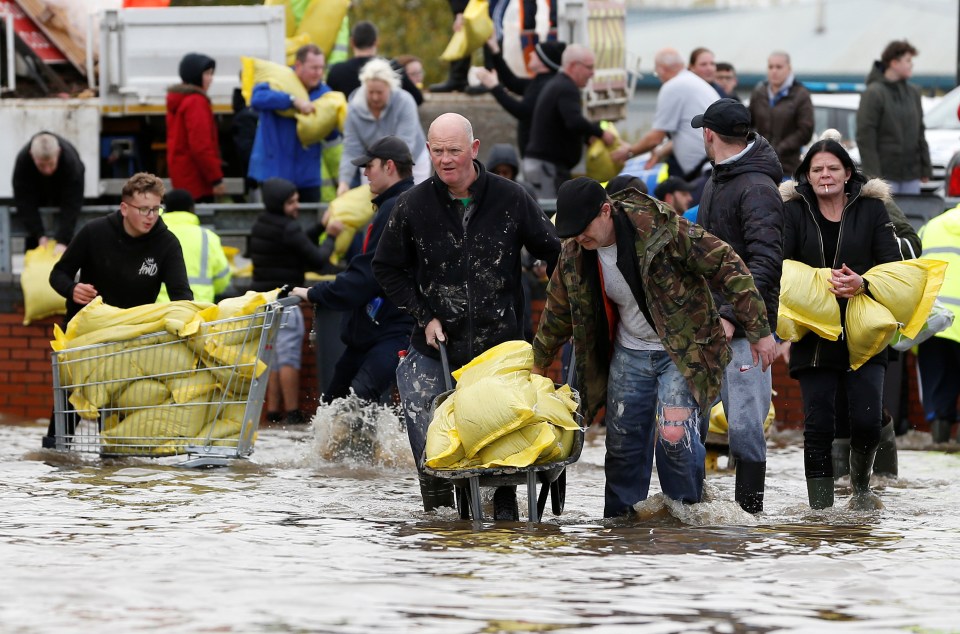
501	415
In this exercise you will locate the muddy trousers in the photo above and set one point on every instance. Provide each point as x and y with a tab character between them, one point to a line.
650	414
369	373
864	390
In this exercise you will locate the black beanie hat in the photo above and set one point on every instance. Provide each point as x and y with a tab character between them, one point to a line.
192	67
275	192
551	54
178	200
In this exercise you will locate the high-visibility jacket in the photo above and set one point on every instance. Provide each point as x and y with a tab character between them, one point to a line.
941	241
208	271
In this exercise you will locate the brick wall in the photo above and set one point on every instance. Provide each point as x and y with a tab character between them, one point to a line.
25	374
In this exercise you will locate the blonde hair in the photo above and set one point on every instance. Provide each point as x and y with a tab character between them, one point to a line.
380	69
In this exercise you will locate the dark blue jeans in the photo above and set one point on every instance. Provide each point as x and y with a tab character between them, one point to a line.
650	412
864	390
369	373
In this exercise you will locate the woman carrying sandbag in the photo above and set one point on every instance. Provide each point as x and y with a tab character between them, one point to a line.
835	218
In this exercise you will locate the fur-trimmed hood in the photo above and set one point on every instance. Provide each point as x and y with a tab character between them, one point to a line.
873	188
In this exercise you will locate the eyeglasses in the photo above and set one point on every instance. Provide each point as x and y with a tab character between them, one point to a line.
147	211
587	66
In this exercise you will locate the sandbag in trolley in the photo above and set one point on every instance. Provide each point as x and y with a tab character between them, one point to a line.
184	378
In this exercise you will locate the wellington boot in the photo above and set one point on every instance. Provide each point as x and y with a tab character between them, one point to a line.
885	463
940	430
505	504
861	467
436	492
820	492
841	457
748	491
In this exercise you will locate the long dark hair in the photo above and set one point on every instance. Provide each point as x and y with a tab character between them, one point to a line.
832	147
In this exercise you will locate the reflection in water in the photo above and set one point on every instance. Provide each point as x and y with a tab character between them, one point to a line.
311	535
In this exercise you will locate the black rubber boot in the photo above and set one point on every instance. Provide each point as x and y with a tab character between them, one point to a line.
748	491
885	463
861	467
436	492
841	457
820	492
457	80
940	430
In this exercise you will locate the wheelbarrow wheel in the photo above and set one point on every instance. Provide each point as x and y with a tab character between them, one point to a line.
558	493
463	502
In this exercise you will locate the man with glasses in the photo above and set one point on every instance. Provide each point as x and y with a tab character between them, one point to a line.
558	129
123	257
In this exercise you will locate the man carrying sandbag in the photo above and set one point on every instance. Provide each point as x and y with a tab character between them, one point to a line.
277	150
450	256
633	288
123	257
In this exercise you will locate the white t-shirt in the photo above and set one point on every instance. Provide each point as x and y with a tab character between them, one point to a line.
680	100
634	332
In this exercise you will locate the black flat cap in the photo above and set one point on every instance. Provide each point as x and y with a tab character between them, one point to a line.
578	203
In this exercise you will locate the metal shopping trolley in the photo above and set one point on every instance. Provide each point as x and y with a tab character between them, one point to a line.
551	476
164	395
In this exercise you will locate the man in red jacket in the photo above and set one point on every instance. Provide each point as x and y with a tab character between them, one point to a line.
193	146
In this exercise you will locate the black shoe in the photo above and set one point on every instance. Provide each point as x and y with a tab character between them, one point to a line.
457	80
274	417
294	417
48	442
449	86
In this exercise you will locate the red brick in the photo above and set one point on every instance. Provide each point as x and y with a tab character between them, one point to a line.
28	353
45	389
39	366
11	318
14	342
12	366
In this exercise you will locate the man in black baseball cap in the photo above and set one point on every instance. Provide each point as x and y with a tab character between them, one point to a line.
633	290
727	117
388	148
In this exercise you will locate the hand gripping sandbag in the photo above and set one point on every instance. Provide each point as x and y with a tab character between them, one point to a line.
869	327
600	165
806	301
477	29
39	298
908	290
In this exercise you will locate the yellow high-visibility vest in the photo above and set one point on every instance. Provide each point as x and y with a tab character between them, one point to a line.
941	241
208	271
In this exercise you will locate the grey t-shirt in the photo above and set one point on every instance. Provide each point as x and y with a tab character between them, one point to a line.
634	331
680	100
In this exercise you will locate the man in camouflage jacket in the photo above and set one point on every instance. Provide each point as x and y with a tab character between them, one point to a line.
633	288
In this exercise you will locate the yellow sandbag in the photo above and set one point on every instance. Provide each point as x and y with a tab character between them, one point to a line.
239	358
354	208
520	448
161	358
226	427
908	290
789	330
805	299
293	44
166	421
192	386
490	408
600	166
329	114
233	331
477	29
100	323
869	327
39	298
82	405
290	20
443	448
321	22
509	356
142	393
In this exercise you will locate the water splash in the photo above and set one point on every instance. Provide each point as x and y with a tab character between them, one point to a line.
358	432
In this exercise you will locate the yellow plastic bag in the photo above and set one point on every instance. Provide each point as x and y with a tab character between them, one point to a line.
869	328
99	323
600	166
321	22
293	44
477	29
718	418
509	356
354	208
329	114
806	301
522	447
39	298
908	290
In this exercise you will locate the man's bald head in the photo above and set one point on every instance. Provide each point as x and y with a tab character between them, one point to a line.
668	63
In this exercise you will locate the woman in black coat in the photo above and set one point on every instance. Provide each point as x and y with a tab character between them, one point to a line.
834	217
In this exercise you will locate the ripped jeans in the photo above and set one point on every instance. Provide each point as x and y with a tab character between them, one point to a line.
650	411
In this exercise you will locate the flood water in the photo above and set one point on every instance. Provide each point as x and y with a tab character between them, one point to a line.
301	538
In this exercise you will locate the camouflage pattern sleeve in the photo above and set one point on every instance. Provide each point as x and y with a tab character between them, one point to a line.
725	272
556	321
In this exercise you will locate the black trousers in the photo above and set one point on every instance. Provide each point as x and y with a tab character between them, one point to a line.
939	364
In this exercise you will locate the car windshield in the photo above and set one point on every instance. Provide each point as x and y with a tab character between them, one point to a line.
943	116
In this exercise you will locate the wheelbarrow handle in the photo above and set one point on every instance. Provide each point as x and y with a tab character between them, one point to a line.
447	378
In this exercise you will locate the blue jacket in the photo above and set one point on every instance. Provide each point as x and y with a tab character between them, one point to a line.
356	289
277	152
